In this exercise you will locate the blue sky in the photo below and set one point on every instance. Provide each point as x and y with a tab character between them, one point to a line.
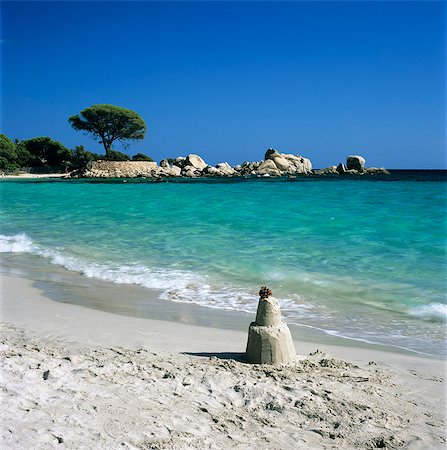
227	80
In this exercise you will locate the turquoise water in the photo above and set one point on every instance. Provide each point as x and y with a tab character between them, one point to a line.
360	259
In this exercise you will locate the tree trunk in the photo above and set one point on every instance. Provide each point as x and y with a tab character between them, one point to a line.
106	145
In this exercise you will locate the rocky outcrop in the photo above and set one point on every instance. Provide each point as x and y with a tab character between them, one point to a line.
355	162
224	169
331	170
341	168
378	170
195	162
287	163
275	164
269	339
355	165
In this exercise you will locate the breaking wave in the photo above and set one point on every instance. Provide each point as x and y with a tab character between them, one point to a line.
174	285
436	312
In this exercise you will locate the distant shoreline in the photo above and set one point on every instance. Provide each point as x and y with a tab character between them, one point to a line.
394	175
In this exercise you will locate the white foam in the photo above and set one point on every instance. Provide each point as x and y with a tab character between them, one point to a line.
18	243
433	311
174	285
187	287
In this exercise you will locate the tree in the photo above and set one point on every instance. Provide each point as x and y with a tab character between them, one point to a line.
13	155
24	157
46	152
109	123
82	157
8	153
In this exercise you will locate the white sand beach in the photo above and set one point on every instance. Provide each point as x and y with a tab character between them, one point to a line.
78	378
26	176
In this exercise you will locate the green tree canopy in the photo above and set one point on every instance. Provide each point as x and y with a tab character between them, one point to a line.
8	153
81	157
109	123
7	148
46	152
24	157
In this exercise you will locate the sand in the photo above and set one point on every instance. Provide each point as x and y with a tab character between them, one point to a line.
25	176
78	378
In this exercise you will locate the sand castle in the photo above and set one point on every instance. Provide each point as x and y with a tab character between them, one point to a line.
269	338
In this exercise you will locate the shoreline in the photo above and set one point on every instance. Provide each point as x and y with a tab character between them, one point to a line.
394	175
68	287
29	176
139	382
168	329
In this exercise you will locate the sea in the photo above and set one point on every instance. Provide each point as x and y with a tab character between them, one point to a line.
356	258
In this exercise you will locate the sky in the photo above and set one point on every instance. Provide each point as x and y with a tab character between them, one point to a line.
227	80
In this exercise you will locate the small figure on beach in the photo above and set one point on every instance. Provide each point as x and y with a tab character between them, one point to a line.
269	338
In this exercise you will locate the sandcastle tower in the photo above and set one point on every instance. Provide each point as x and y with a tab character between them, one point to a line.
269	339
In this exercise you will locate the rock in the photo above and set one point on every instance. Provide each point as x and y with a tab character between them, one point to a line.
341	168
287	162
326	171
355	162
165	164
195	161
282	163
268	167
175	171
225	169
248	168
210	170
298	164
179	162
271	153
190	172
269	339
373	170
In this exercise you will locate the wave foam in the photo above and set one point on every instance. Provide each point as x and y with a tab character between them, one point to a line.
174	285
18	243
433	311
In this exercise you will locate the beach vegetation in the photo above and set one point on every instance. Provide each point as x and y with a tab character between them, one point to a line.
109	123
24	157
141	157
44	151
82	157
13	155
114	155
8	153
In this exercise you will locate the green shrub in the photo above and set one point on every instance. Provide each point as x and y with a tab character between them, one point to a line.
113	155
141	157
81	157
6	165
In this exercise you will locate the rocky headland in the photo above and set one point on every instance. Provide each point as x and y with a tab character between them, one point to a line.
274	164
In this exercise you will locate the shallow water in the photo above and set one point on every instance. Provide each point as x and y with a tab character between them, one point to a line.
364	259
